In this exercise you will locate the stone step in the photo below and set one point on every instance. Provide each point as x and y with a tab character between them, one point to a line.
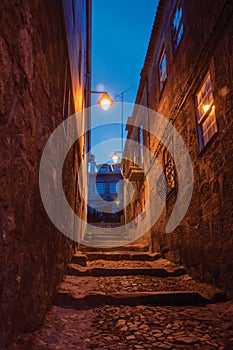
169	298
104	244
82	286
106	238
81	259
106	231
76	270
104	225
83	248
106	234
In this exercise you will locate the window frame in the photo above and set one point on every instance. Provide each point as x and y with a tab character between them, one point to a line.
117	187
176	32
209	115
170	175
96	190
163	75
167	182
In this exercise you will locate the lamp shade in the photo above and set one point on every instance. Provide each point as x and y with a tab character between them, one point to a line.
105	101
115	157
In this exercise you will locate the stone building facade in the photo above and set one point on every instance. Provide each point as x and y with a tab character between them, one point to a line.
45	70
187	77
105	194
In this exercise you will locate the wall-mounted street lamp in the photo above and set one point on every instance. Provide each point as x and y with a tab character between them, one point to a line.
105	101
115	157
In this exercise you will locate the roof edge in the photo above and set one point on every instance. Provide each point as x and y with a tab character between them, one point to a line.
150	50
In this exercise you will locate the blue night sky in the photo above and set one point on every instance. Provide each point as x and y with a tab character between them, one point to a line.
120	37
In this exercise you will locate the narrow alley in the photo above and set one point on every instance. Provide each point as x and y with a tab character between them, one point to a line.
116	186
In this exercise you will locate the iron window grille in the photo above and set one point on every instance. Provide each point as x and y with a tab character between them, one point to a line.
170	175
167	182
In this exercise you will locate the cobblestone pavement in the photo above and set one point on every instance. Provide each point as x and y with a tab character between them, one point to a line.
112	284
147	327
139	327
160	263
64	329
111	327
118	264
150	284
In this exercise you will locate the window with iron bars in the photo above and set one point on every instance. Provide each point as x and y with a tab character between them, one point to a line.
167	181
170	175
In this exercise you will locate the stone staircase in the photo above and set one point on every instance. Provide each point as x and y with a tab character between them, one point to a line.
106	235
131	278
130	299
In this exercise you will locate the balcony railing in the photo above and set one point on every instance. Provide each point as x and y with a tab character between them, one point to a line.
134	173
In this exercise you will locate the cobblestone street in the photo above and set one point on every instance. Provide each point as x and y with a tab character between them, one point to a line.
139	327
83	319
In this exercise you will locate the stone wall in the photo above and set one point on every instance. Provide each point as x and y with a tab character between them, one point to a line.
34	69
203	240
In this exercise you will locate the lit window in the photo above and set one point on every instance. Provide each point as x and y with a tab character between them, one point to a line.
114	187
100	187
177	27
163	69
206	112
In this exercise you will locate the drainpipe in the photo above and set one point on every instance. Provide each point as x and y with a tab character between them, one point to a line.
88	68
148	109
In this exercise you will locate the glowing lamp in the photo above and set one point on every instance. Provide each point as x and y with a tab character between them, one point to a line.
115	157
105	101
206	108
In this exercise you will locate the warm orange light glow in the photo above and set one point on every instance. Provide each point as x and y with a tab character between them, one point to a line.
115	157
105	101
206	108
105	104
